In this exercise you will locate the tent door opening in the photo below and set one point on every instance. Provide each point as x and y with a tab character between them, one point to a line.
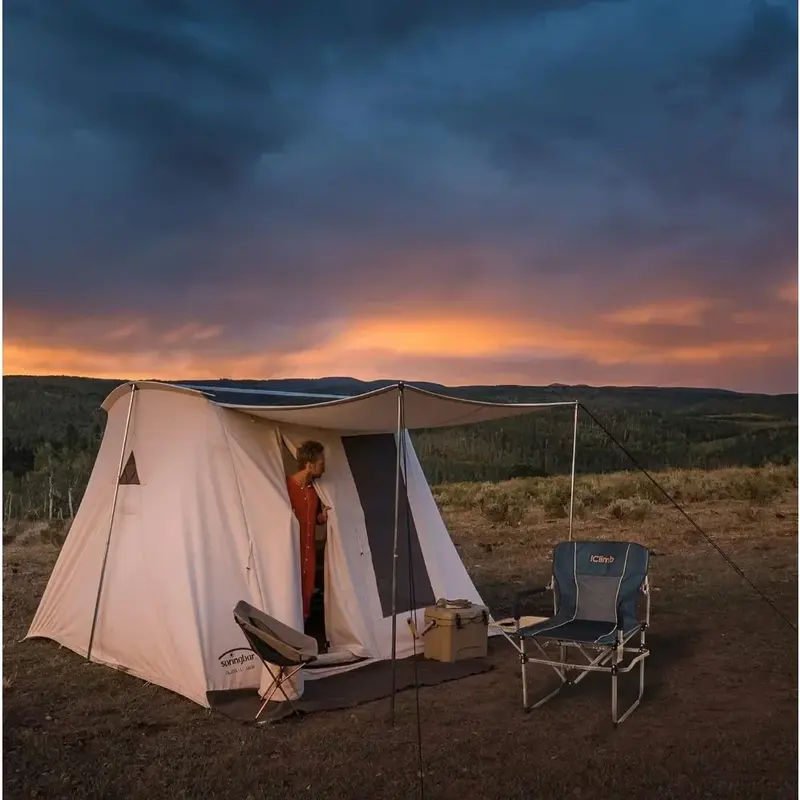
315	623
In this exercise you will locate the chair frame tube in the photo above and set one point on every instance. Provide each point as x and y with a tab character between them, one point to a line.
597	663
277	685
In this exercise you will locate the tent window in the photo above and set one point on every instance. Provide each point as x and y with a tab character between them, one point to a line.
130	475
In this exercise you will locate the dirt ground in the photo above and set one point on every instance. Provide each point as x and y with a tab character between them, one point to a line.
719	718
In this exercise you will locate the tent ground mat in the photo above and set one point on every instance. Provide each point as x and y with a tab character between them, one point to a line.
347	689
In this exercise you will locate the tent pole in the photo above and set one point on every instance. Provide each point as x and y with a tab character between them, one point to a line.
572	476
400	432
111	522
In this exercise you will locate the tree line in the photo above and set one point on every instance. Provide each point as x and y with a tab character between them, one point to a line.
53	428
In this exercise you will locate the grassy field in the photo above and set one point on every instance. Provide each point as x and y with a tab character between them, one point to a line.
719	718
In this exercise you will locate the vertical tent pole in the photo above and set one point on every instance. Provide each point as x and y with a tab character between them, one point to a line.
400	434
572	476
111	521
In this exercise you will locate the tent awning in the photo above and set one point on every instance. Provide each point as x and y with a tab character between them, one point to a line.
371	412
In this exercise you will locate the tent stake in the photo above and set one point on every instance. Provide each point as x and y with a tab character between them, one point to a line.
572	478
111	522
400	433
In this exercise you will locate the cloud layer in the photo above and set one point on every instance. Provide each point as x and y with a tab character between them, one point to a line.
600	192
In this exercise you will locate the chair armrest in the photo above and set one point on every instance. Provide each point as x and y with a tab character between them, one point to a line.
524	595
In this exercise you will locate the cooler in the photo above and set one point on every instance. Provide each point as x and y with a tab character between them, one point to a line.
455	631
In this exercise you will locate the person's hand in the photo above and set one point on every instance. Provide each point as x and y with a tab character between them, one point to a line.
323	516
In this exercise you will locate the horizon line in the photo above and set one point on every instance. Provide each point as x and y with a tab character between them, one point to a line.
554	385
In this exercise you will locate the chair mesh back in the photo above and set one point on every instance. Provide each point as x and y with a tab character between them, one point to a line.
264	650
599	581
275	642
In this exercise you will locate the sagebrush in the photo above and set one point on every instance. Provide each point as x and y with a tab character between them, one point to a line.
629	495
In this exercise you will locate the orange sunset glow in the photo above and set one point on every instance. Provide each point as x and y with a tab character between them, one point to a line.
442	347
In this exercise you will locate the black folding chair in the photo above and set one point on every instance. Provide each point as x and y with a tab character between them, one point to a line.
596	587
275	644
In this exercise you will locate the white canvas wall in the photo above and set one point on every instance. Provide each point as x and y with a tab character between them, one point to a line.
181	554
66	608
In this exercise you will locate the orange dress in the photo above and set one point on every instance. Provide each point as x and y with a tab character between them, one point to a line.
307	508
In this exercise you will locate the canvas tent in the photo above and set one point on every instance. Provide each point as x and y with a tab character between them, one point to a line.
186	513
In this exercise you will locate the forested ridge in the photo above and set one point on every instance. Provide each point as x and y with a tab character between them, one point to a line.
53	427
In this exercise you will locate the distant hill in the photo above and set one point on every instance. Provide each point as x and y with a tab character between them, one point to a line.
58	420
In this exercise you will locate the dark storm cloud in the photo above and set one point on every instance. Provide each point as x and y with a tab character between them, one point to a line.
239	162
765	44
154	79
190	87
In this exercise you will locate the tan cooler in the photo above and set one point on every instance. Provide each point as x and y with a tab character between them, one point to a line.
456	631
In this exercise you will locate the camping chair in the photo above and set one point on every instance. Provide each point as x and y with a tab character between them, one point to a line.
596	586
275	643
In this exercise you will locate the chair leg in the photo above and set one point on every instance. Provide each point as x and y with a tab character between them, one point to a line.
523	658
559	671
614	682
618	720
277	685
285	679
273	687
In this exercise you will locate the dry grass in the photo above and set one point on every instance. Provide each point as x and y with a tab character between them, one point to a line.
621	495
718	720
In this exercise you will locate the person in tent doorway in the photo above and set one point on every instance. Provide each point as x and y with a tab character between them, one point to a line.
309	510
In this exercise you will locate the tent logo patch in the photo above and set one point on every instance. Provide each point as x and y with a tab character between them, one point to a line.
240	659
601	559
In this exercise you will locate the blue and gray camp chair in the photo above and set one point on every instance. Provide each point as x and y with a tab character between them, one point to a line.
596	587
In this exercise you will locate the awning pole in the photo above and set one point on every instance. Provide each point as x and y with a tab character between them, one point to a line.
111	521
572	478
400	437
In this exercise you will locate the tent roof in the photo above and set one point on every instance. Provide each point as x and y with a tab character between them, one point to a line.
371	412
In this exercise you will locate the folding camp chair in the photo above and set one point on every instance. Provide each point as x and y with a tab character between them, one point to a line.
596	586
275	644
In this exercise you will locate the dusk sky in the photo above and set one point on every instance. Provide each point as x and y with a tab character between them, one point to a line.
456	191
